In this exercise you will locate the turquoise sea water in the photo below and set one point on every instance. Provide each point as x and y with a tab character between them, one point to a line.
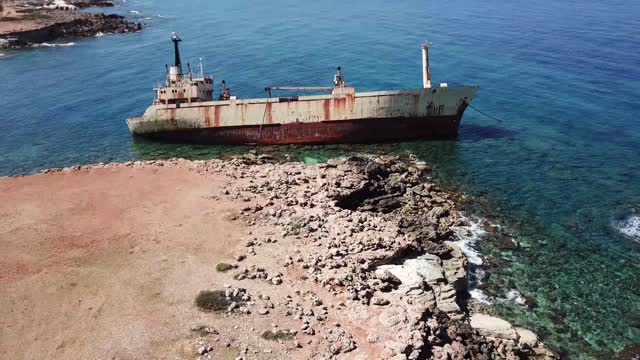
560	171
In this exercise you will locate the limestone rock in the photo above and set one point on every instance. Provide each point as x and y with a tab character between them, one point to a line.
493	327
391	317
527	337
446	298
379	301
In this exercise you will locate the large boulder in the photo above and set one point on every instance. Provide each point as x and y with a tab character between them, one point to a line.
493	327
455	268
527	337
415	273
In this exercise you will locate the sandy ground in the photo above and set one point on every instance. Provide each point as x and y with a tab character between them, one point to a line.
105	263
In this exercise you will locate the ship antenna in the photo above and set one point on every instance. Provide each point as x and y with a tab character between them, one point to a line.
201	69
426	69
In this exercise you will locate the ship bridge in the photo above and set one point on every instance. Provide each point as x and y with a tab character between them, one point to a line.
180	88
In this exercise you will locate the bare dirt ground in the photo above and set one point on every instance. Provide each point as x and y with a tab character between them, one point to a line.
105	263
17	22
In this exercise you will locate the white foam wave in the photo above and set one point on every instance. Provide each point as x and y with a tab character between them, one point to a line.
99	34
467	236
515	296
630	227
1	54
134	11
57	45
480	296
479	275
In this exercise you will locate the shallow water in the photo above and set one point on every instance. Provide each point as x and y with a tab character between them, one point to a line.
560	170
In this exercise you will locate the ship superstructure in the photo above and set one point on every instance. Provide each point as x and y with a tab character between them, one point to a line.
185	110
183	89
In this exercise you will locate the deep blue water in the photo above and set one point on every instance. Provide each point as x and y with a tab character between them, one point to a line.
560	170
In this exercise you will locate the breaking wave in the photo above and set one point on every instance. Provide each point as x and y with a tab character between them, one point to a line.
58	45
134	11
479	296
515	296
630	227
466	237
99	34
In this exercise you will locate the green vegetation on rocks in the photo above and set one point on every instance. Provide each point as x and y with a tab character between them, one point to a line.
277	335
212	300
224	267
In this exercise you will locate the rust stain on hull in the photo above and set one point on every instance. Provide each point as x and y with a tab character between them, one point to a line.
350	131
268	113
326	108
216	116
172	116
207	116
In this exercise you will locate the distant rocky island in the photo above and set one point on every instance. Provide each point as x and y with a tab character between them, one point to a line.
31	22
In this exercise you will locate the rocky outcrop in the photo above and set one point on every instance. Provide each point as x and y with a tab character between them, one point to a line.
369	240
33	24
375	232
83	26
492	327
89	3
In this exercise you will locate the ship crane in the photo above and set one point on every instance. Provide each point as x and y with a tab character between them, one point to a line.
338	82
268	89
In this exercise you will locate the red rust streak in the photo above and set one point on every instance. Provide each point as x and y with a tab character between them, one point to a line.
326	105
216	116
207	117
172	115
339	105
268	114
351	100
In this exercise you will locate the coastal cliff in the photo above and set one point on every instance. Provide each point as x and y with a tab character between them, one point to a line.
30	23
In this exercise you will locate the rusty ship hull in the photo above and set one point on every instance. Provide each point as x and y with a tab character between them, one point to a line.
344	116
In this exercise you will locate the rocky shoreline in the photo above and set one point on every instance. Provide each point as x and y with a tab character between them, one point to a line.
31	23
360	253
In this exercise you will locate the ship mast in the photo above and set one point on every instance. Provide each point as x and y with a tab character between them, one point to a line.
177	63
426	69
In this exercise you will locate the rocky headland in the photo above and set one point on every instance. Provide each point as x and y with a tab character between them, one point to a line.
29	23
376	240
354	258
